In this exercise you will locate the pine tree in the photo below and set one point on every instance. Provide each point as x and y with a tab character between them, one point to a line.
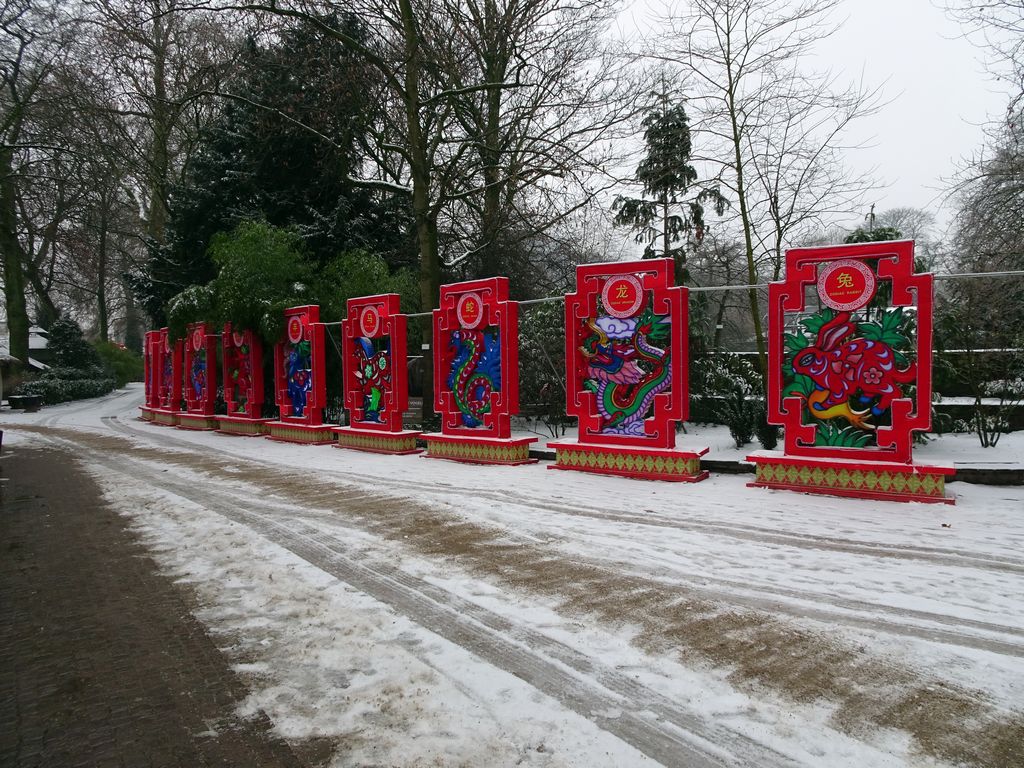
283	151
663	217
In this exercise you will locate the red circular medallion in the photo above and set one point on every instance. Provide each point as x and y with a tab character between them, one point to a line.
238	338
370	322
622	296
294	330
846	285
470	310
197	339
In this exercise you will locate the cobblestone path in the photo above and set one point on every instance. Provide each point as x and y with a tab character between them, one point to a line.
101	660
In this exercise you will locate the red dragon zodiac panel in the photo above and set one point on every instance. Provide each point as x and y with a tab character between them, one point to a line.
626	351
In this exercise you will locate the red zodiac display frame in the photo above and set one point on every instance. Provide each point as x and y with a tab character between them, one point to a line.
838	371
150	359
242	365
626	351
200	371
373	346
846	362
299	373
376	379
476	373
168	376
605	316
242	353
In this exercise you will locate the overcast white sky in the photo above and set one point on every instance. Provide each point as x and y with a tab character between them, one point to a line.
939	91
934	80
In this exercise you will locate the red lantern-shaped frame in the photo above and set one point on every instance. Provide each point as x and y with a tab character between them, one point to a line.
845	279
302	326
242	361
619	294
377	372
465	312
199	378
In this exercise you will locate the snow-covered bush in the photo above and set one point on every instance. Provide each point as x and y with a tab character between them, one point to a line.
55	390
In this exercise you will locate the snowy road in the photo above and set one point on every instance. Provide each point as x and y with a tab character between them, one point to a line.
427	613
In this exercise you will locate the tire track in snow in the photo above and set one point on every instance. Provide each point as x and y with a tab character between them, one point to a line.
648	721
760	535
771	598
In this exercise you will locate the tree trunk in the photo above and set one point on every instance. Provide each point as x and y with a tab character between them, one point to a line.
425	216
748	238
132	321
46	311
160	164
491	224
101	279
13	261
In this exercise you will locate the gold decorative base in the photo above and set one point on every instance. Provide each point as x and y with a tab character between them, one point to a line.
480	450
198	422
374	441
671	464
888	481
306	434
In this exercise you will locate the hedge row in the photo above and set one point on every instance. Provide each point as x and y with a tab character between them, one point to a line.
55	390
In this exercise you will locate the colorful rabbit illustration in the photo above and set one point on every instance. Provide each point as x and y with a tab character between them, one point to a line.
842	364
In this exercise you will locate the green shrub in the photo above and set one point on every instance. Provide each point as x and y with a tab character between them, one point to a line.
123	364
741	414
58	390
767	434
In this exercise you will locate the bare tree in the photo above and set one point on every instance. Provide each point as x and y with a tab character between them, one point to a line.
544	104
33	38
774	130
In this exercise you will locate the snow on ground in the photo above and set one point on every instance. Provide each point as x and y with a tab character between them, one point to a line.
933	593
327	661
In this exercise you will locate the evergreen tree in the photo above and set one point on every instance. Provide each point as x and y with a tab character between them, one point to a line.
664	217
284	151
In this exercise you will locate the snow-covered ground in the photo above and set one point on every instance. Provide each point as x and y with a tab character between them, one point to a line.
420	612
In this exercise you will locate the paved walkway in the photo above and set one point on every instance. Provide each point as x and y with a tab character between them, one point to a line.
101	660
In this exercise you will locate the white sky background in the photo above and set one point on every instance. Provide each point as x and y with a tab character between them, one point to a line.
938	92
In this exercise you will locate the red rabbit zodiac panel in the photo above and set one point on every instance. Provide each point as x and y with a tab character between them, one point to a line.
300	385
374	351
626	353
850	374
850	348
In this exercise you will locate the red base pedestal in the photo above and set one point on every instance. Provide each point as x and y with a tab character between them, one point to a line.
677	465
146	413
883	480
307	434
165	418
243	426
479	450
198	422
377	441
